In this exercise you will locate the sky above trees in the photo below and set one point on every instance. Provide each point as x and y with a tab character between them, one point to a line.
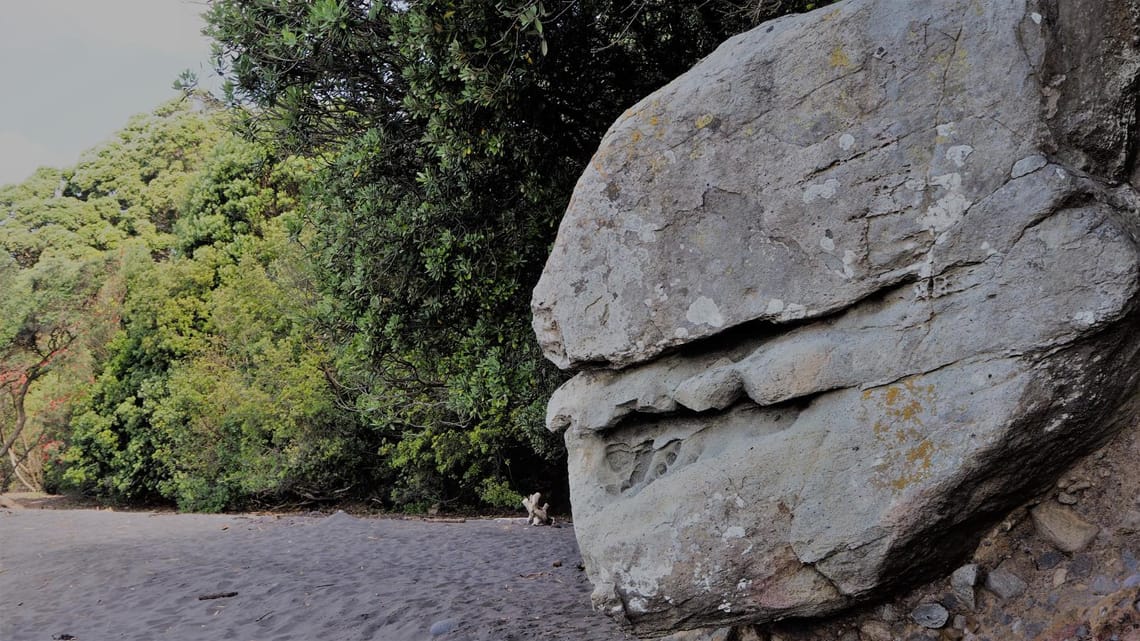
73	71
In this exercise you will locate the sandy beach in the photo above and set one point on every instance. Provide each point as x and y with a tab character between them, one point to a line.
93	575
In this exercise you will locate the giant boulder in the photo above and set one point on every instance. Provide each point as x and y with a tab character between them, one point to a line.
844	293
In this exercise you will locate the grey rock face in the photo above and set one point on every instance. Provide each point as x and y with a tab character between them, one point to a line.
849	289
962	581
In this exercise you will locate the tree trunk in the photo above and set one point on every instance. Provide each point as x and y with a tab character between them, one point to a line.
18	395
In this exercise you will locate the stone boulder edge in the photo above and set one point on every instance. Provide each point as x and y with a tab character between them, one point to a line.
850	289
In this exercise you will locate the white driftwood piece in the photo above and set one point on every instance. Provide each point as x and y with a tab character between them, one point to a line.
535	514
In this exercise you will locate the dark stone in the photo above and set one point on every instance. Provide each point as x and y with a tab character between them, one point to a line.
1102	585
1049	560
1081	566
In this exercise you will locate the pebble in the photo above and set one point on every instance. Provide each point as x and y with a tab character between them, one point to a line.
951	634
1131	521
930	615
1079	486
440	628
1049	560
1064	498
1063	527
962	581
1004	583
875	631
1059	577
887	613
1102	585
1081	566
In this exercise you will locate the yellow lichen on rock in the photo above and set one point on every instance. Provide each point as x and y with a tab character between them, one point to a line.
908	453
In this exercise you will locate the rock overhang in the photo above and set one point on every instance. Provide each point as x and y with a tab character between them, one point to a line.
945	267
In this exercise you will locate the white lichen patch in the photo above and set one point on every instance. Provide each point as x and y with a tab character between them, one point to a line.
846	142
725	607
1035	17
643	579
952	181
1084	319
950	208
704	311
827	244
825	191
775	306
849	259
945	213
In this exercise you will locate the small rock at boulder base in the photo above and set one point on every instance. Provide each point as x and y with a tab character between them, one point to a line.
1049	560
962	582
1059	577
1064	498
1063	527
440	628
930	615
875	631
1005	583
843	295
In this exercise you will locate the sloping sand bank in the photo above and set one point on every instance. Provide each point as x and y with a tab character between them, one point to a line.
98	575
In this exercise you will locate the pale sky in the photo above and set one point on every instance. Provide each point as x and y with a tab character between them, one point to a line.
72	72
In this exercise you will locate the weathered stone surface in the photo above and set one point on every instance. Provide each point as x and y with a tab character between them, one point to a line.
1005	583
1063	527
851	288
962	581
930	615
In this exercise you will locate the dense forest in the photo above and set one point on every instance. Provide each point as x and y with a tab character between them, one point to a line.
315	287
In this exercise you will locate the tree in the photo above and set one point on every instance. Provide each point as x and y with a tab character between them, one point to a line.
43	318
213	392
454	131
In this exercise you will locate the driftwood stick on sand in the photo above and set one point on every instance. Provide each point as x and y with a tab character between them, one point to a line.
216	595
537	515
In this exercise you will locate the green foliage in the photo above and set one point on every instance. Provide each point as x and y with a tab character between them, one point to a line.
455	131
214	393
